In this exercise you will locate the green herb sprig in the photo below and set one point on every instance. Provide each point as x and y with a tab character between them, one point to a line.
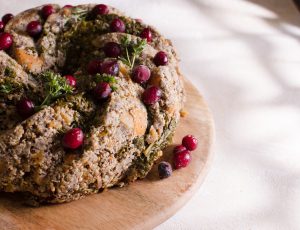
9	72
55	87
111	80
132	50
6	88
79	13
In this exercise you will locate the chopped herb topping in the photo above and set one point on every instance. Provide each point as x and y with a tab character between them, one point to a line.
55	87
9	72
31	50
79	13
6	88
132	50
111	80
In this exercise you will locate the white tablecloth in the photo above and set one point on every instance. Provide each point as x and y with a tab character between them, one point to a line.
244	57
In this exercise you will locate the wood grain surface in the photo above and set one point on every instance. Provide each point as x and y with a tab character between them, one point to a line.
141	205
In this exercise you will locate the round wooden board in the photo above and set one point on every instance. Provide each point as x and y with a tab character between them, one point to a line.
142	205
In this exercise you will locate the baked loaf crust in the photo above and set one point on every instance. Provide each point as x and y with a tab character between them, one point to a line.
123	136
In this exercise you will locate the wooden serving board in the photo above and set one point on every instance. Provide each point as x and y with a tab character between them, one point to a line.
141	205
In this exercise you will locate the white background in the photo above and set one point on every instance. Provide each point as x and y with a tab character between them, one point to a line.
244	56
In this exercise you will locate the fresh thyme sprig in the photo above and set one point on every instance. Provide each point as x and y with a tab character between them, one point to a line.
132	50
111	80
55	87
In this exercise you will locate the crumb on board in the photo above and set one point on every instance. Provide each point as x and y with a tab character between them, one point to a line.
183	113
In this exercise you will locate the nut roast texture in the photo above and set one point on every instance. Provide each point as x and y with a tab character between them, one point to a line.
123	136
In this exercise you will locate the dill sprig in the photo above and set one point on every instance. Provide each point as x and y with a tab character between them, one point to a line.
132	50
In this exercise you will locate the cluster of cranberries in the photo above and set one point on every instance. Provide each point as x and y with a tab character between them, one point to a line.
25	107
103	90
34	28
6	39
140	74
181	157
73	139
117	25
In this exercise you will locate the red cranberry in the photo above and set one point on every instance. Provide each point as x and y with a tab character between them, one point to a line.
34	28
25	108
71	80
94	67
112	49
100	10
141	74
146	34
102	91
151	95
6	18
47	11
73	139
68	6
2	25
182	159
110	67
190	142
160	58
164	170
117	25
178	149
6	41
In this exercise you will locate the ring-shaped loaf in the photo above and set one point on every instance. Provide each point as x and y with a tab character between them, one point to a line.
124	134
